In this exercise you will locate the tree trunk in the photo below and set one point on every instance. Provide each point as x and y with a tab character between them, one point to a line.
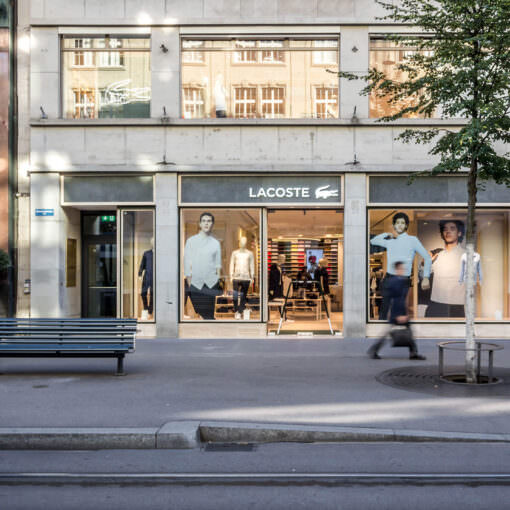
470	279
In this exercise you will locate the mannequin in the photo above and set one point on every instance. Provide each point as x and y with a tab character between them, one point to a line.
400	247
276	274
242	274
322	276
202	267
146	269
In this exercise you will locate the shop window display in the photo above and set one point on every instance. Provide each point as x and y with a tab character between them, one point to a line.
220	264
138	264
431	243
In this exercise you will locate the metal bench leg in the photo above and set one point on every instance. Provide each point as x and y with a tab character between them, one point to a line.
441	361
120	365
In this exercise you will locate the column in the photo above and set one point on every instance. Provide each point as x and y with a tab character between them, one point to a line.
355	255
167	255
46	249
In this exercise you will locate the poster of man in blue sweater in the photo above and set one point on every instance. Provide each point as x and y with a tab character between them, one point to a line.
400	247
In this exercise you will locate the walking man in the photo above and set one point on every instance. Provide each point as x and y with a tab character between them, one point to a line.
397	294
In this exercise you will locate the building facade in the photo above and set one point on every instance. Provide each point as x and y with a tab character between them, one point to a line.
199	165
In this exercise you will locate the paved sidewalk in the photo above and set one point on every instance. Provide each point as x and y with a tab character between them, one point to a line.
326	382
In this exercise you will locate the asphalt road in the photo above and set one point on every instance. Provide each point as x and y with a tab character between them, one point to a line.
279	476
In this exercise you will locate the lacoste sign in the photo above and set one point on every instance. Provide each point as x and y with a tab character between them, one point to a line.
260	189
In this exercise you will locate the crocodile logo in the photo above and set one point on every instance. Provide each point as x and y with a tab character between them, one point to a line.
324	193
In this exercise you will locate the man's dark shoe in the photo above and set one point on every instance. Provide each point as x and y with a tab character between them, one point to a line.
373	355
417	357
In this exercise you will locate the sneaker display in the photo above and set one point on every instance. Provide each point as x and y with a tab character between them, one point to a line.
237	316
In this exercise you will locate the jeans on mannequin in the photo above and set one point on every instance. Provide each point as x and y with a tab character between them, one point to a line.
240	289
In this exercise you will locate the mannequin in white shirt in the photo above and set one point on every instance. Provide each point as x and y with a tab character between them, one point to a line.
242	274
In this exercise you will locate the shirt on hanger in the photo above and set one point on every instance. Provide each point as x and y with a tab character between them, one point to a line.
242	265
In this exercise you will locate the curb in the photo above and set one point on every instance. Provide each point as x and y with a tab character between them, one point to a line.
189	434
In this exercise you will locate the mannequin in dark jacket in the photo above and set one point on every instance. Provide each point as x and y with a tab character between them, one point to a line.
146	269
275	283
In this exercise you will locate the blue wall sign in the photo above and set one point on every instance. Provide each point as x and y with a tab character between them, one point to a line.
45	212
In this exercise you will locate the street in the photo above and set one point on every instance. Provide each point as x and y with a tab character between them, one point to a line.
271	476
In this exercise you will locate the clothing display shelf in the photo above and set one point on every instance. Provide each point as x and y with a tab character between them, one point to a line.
295	254
224	306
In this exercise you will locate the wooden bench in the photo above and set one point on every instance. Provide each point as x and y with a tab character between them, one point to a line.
68	338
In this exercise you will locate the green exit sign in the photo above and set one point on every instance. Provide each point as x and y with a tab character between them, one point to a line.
107	219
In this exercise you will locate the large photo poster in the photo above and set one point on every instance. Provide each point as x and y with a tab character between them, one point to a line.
431	244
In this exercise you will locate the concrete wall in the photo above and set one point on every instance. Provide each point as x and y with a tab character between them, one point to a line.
167	256
46	248
205	11
239	148
355	255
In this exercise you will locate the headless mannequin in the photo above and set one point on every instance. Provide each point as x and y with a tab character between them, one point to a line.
276	278
242	273
146	273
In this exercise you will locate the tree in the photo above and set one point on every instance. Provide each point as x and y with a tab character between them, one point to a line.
461	68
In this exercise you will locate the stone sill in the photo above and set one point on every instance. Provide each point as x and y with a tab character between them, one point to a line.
157	122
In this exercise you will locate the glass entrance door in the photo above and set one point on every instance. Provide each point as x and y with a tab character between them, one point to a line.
305	271
99	241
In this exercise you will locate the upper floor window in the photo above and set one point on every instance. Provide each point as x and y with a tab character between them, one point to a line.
106	76
385	56
261	78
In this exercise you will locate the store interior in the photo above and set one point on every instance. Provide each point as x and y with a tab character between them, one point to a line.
302	241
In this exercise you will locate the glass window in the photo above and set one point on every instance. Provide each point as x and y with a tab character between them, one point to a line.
138	264
220	264
106	77
254	78
385	56
431	244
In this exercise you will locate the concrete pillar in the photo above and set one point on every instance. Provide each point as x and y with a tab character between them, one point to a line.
167	255
165	72
355	256
47	250
354	53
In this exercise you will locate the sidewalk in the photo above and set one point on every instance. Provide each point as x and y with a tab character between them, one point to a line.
319	382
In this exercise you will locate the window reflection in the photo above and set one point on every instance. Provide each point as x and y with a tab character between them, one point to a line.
248	78
106	77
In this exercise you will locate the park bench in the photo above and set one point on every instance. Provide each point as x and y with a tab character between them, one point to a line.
68	338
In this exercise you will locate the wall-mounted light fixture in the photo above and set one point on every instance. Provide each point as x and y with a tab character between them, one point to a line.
354	49
44	116
163	48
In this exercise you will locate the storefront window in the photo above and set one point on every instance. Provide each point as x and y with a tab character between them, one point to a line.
106	77
138	264
431	243
249	78
385	56
220	264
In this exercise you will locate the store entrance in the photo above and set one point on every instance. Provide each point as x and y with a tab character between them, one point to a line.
306	246
99	256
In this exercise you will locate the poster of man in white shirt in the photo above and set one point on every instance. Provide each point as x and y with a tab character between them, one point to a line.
447	294
202	267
